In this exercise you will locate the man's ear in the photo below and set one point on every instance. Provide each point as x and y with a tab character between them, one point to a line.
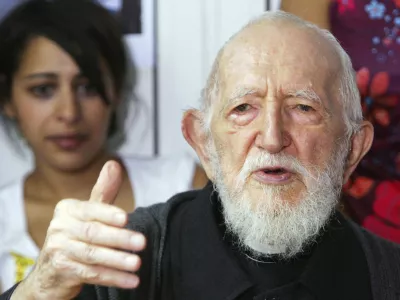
195	135
361	142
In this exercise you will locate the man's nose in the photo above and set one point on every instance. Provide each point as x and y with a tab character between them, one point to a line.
272	136
68	107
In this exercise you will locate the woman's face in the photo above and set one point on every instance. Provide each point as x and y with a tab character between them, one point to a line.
64	119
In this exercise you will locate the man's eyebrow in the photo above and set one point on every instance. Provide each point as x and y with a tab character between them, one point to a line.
242	92
305	93
309	94
238	94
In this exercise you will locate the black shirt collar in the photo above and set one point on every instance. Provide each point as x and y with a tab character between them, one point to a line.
337	268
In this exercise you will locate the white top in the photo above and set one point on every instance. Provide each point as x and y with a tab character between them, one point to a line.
153	181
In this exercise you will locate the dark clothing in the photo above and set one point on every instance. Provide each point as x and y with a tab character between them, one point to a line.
201	262
190	257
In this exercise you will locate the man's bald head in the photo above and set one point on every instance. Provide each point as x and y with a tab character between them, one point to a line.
275	34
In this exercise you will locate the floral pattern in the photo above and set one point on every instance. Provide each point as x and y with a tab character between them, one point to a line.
360	187
372	195
346	5
375	103
22	266
378	10
369	30
385	219
372	200
375	9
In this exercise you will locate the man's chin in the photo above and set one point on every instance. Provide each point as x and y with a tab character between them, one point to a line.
273	196
280	239
268	224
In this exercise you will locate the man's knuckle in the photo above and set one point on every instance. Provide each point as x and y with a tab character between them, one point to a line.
90	230
89	274
53	244
63	206
55	226
90	254
60	262
59	208
85	212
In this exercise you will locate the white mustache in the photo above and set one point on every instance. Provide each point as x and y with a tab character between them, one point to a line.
266	160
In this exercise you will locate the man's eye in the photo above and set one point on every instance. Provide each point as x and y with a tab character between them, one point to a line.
305	108
242	108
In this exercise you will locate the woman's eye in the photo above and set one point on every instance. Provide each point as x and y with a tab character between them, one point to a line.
242	108
305	108
44	91
86	89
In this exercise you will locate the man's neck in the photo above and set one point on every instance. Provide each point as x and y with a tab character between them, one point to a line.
56	184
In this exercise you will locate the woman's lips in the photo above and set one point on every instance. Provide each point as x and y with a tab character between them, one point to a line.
68	142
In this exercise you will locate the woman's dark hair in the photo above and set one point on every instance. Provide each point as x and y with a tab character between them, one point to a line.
83	28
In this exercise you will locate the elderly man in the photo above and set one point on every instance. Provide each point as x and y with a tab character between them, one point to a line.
279	132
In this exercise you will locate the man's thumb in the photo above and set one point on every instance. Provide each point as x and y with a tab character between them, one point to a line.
108	184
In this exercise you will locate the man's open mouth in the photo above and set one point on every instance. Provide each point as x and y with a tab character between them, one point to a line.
275	171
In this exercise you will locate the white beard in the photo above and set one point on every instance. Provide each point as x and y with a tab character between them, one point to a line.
272	225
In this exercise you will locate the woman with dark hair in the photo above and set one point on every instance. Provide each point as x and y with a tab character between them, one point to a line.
64	83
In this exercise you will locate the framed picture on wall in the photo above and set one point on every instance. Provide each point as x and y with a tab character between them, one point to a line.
128	12
272	4
7	5
138	21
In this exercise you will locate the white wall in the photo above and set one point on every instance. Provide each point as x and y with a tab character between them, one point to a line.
190	34
12	163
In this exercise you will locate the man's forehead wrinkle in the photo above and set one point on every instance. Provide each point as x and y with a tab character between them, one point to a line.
269	39
270	59
249	60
